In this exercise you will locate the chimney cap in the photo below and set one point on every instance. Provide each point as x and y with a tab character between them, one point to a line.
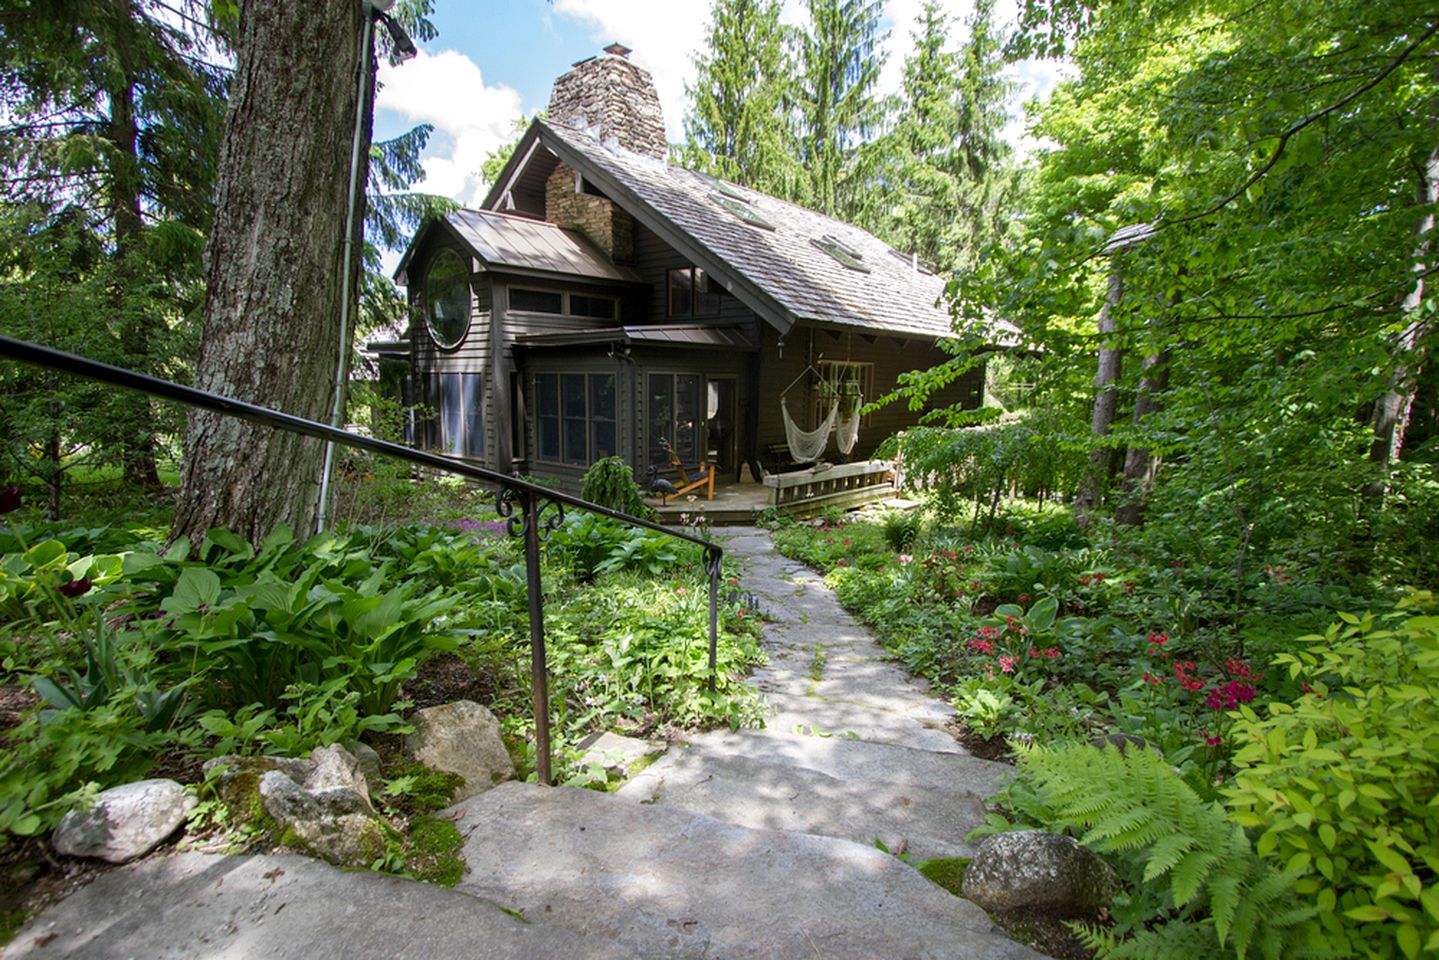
618	49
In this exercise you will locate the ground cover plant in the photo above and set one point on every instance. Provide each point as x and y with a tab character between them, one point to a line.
1289	814
128	657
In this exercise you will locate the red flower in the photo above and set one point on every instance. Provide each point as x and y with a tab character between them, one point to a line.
1006	664
1213	741
1158	639
75	588
9	499
1024	598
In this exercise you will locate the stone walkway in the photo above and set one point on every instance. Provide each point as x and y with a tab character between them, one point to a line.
756	844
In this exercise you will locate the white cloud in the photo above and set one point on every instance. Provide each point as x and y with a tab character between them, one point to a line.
471	119
664	34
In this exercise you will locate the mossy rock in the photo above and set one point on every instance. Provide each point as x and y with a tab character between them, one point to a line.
431	789
432	852
947	872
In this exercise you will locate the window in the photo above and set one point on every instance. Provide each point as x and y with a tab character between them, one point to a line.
536	301
842	252
575	417
692	293
674	416
742	209
523	300
851	383
446	299
460	405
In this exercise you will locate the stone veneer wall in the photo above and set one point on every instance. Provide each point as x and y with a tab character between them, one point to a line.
604	223
614	99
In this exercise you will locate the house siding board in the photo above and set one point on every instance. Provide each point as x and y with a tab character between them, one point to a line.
654	259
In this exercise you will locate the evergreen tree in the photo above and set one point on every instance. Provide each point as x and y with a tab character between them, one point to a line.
737	125
838	108
947	174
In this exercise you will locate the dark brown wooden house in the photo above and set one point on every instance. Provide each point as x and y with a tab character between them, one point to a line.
603	300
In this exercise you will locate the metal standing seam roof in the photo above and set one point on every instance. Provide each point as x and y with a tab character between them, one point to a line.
786	263
503	240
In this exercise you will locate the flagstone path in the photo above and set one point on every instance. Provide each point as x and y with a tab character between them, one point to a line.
755	844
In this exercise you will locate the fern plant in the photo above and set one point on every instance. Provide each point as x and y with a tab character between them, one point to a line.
1216	895
611	483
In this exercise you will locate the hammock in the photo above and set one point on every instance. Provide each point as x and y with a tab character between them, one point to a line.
806	446
846	430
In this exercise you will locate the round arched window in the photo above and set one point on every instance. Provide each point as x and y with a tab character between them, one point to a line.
447	299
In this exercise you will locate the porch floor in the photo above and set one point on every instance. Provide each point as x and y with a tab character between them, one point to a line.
738	504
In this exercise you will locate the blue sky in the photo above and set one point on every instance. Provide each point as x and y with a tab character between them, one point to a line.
494	62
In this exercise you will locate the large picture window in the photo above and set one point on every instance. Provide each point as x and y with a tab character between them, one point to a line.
459	400
446	299
575	416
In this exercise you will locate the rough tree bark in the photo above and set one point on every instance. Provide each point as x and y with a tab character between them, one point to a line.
270	331
1392	410
1106	395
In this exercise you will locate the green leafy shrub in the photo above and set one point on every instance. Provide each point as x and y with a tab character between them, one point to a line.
902	528
610	483
1341	785
1182	858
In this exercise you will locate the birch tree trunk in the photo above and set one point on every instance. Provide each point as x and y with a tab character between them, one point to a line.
1106	397
1391	411
270	331
1140	463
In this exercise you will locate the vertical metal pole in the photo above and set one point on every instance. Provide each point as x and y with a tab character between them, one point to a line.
712	561
539	675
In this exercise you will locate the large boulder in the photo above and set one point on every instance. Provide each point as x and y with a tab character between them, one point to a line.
320	803
1032	868
124	822
463	738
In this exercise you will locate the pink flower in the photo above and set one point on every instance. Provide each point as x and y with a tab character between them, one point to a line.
1158	639
1006	664
1024	598
681	591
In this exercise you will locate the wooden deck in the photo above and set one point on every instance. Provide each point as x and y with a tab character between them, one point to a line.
801	493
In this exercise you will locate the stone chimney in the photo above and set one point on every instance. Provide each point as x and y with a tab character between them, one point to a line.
614	99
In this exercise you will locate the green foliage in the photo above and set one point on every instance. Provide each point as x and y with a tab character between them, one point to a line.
425	789
610	483
432	851
946	872
1177	854
902	528
1340	785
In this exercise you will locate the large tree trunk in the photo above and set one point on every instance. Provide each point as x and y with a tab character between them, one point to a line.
1391	411
270	332
1140	463
1106	396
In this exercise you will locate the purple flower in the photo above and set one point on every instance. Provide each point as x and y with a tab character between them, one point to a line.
75	588
9	499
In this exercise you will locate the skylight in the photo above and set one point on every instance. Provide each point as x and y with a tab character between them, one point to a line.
744	211
843	252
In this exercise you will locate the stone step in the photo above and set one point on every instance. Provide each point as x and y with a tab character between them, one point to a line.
904	798
666	883
917	723
284	908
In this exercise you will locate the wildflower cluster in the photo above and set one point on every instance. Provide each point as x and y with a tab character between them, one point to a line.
1009	648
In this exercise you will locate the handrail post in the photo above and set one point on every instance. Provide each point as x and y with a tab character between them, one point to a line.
712	564
539	672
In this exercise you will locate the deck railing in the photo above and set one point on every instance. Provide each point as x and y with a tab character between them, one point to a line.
532	510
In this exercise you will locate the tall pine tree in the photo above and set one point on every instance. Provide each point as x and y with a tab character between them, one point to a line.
737	125
838	106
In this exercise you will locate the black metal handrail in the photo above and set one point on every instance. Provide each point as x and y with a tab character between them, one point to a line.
531	510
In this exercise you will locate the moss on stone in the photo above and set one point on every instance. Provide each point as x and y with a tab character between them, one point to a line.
432	853
10	923
431	789
947	872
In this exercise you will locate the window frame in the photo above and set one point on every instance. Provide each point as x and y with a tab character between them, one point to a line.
471	419
703	290
427	301
562	422
566	310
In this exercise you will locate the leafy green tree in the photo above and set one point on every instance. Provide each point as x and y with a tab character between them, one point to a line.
839	108
737	126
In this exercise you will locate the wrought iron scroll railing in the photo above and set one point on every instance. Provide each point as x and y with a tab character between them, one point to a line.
532	510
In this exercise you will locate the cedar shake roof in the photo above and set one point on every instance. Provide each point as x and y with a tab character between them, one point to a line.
769	253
